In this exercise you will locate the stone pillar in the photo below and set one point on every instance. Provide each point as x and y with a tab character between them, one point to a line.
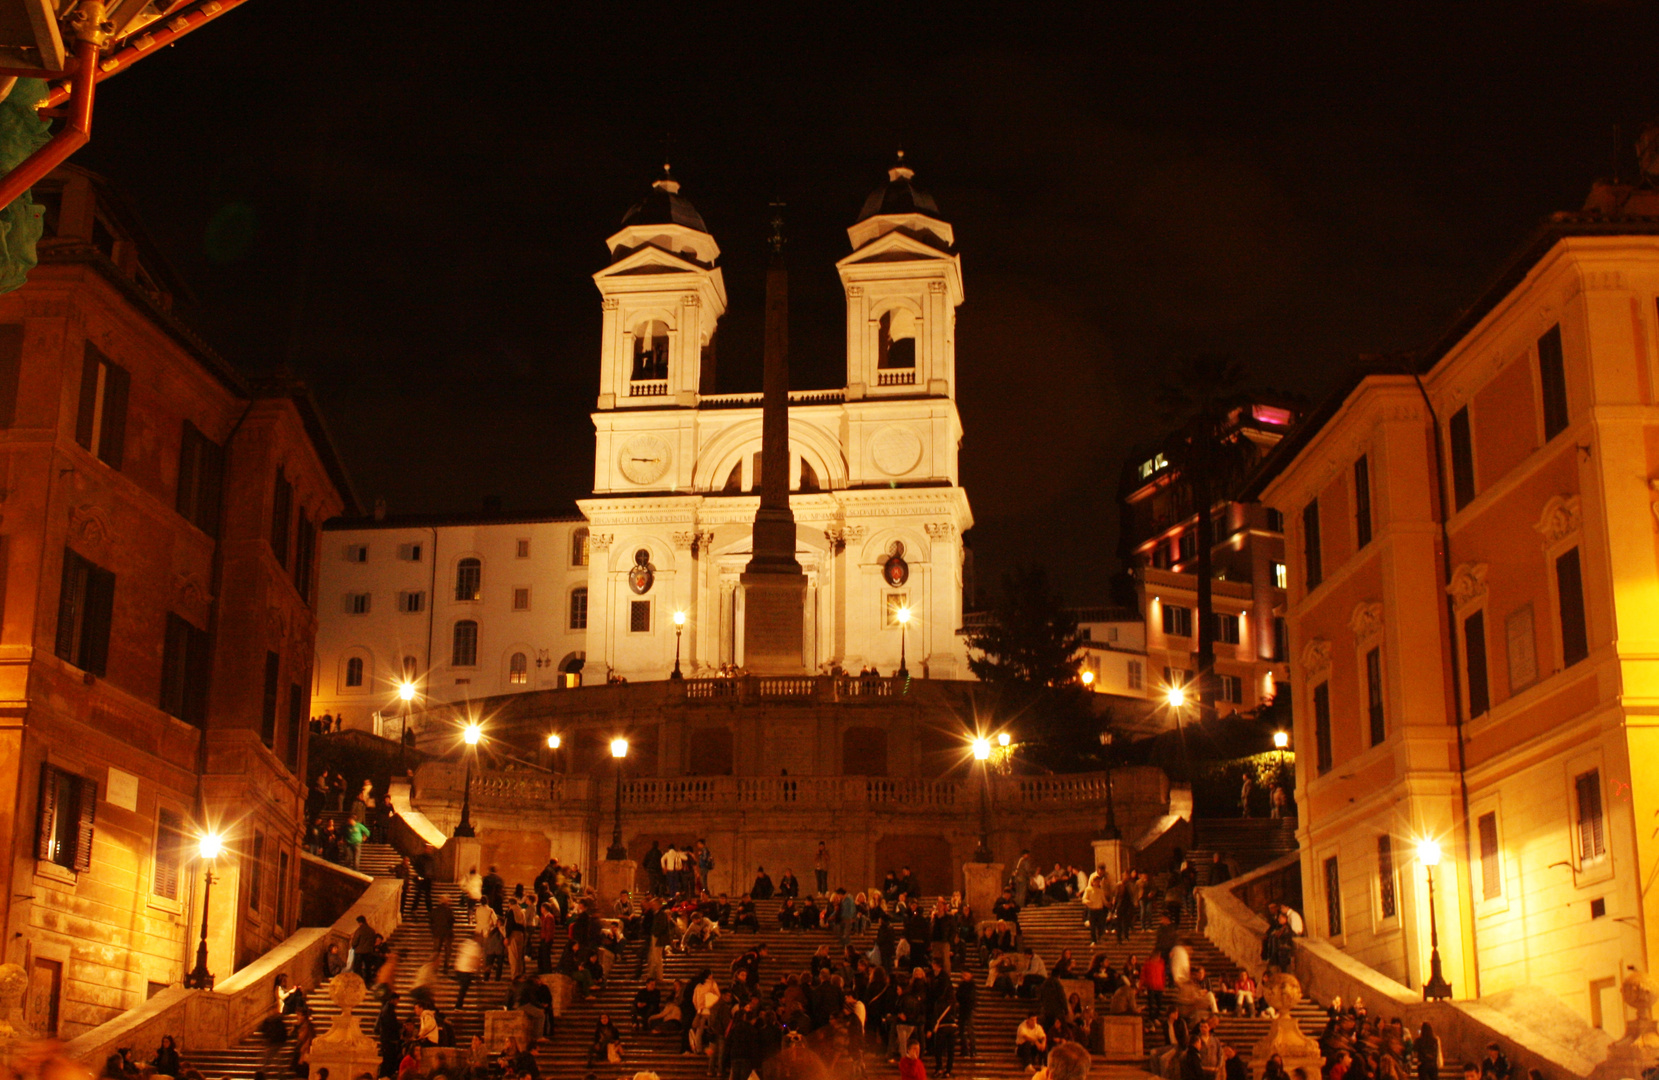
610	879
1283	991
981	885
344	1050
1114	855
459	855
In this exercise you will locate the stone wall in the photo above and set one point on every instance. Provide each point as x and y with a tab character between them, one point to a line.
328	890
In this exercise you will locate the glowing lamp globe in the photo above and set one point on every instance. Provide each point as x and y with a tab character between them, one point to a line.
553	742
903	615
472	733
1176	697
1003	740
679	618
982	749
406	691
619	747
210	845
1428	853
1281	739
1088	678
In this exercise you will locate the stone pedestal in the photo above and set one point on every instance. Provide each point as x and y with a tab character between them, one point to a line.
1638	1051
981	885
1283	991
774	630
459	855
563	989
1114	855
1122	1038
344	1050
503	1026
610	880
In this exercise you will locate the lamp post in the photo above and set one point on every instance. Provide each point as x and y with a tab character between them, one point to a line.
1087	679
1112	831
982	754
469	735
406	692
199	978
616	852
679	628
1437	988
1176	696
1281	739
903	615
553	744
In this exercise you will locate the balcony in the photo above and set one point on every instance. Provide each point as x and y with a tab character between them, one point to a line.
650	388
896	377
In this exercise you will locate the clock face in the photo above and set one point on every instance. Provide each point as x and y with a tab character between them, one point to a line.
644	458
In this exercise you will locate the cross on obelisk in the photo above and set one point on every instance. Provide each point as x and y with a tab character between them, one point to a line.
774	589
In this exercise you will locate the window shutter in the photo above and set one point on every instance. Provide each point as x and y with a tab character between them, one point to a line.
1569	586
47	824
70	598
1491	876
1474	659
1592	842
112	440
88	408
86	796
95	628
169	846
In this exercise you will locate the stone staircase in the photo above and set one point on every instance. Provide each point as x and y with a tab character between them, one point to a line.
1246	842
1048	929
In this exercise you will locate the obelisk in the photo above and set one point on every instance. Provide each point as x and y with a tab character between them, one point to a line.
774	588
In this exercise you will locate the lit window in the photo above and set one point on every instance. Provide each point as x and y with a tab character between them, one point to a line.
1592	834
1281	578
1491	871
67	803
469	574
518	670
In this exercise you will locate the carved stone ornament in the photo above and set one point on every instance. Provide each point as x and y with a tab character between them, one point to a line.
610	303
936	286
705	540
1638	1051
191	594
344	1038
855	291
276	627
642	574
939	530
1561	518
684	540
600	541
1468	584
13	982
1316	657
837	539
1283	991
690	299
854	533
90	522
1367	620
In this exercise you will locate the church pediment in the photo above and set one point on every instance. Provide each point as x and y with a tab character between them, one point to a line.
896	246
650	260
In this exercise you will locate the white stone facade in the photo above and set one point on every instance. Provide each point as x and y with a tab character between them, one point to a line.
873	466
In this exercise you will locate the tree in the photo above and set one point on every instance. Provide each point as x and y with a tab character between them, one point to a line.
1027	653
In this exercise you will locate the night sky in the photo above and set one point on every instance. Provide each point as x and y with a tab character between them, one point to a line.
404	203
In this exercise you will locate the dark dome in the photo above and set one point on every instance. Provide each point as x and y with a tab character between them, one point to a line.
899	195
665	206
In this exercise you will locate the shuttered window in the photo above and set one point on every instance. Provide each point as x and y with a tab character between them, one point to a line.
1313	562
67	806
185	662
1362	500
1552	378
305	555
464	652
1374	695
1387	901
166	879
201	477
86	602
268	701
256	872
1569	587
1322	726
1474	663
1463	458
1491	872
1592	837
1333	898
101	417
296	727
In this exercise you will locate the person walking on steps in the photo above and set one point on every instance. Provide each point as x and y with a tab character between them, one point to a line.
820	868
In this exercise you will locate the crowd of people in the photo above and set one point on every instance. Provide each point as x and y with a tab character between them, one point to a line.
340	840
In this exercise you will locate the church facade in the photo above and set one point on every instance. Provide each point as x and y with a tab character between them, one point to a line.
874	484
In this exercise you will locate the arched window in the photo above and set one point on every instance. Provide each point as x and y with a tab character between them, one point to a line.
809	477
408	669
896	347
469	579
354	671
579	548
465	650
518	670
579	608
651	352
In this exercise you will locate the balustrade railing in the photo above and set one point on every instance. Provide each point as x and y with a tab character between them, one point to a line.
647	389
824	688
897	377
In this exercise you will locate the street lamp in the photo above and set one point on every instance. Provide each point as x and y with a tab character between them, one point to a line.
1003	740
982	754
679	628
1088	680
616	853
1112	831
1176	696
208	847
1281	739
469	735
903	615
406	692
1437	988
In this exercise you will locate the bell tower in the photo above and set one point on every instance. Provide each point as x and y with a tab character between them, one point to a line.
663	295
903	283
